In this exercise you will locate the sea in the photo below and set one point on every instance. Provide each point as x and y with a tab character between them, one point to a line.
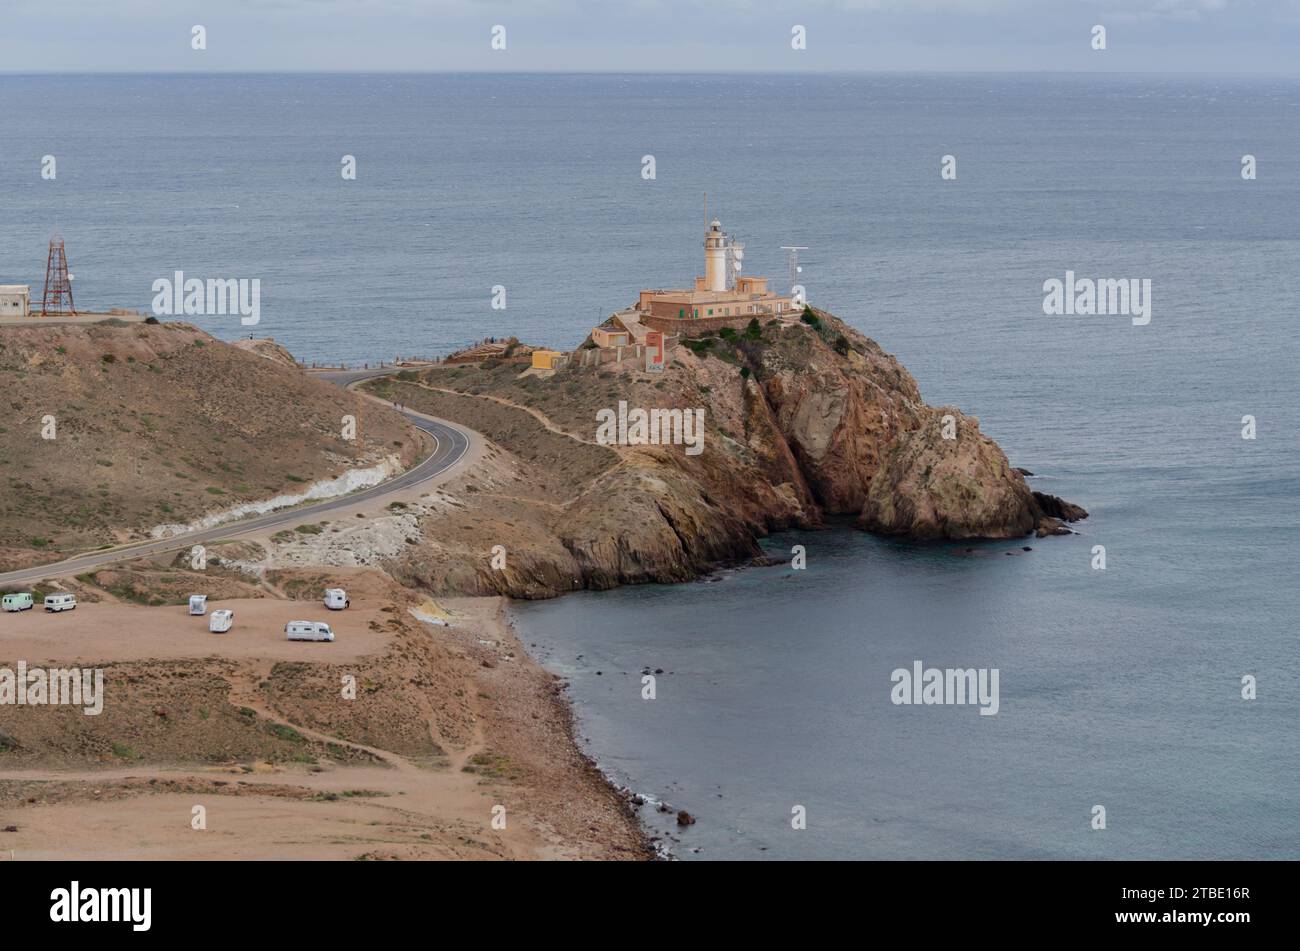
1147	709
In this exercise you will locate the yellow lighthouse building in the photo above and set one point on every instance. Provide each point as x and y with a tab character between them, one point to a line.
718	299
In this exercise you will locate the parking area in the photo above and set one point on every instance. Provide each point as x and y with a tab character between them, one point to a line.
109	632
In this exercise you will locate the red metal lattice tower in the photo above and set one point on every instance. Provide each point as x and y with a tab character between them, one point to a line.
57	300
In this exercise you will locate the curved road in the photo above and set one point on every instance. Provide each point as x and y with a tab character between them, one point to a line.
451	444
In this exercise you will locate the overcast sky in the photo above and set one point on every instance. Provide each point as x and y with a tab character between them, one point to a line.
649	35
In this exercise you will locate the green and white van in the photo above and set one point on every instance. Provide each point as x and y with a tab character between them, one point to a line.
20	601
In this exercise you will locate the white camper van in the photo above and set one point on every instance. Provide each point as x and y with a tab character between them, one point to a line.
308	631
221	621
336	599
198	604
18	601
60	602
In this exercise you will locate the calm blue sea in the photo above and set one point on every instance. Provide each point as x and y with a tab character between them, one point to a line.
1119	688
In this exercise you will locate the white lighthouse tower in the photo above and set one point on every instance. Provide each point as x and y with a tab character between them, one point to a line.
715	257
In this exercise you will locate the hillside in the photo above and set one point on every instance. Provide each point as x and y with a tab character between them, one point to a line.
161	424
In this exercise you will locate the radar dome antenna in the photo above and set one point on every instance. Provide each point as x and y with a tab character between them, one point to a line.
735	255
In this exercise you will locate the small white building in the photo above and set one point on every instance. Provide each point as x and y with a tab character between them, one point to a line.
15	301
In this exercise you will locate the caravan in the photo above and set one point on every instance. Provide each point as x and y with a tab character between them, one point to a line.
221	621
60	602
198	604
336	599
20	601
308	631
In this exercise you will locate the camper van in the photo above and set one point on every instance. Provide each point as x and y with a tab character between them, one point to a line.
22	601
198	604
308	631
336	599
60	602
221	621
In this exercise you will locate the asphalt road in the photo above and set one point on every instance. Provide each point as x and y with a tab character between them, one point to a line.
451	444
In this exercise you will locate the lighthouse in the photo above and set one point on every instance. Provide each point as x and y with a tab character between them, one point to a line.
715	257
721	297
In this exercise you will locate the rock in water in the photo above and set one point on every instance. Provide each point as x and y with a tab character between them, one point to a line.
1055	507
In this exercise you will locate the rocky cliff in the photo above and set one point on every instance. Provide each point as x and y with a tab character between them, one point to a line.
870	446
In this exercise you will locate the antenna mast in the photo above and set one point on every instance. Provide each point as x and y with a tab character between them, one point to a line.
795	269
58	287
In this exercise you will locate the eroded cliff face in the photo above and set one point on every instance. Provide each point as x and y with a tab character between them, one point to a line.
648	523
839	409
946	479
803	419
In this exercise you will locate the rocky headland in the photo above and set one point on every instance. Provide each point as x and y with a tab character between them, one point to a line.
804	420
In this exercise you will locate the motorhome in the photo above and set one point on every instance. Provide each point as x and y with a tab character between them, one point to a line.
308	631
198	604
60	602
20	601
336	599
221	621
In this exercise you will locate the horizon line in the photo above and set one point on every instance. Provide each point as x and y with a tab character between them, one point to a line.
968	71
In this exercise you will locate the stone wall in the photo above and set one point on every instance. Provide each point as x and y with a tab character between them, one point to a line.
701	324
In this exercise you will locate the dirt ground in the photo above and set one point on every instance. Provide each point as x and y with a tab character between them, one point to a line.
115	632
